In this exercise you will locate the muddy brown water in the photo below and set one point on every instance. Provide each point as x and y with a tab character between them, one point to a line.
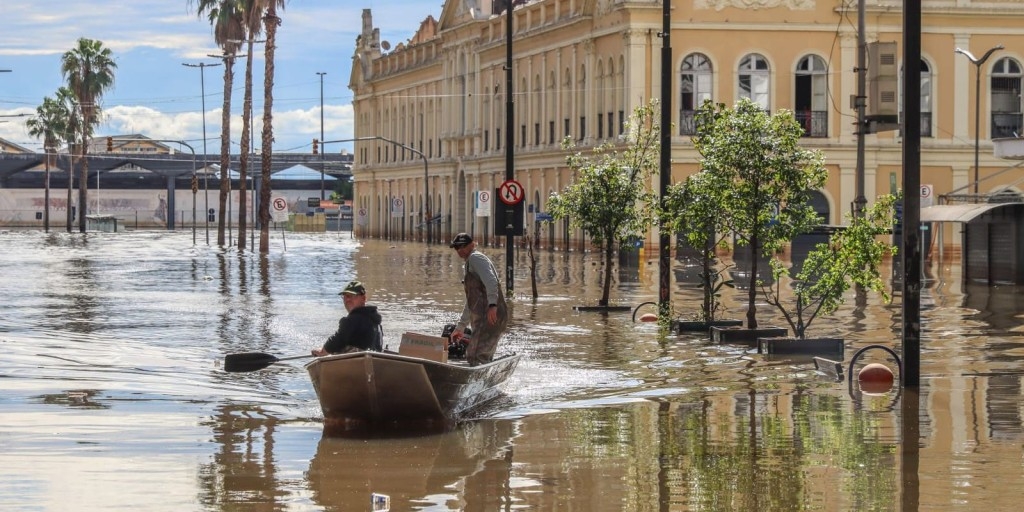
112	396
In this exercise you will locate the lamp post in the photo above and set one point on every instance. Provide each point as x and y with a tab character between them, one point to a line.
977	102
206	189
321	73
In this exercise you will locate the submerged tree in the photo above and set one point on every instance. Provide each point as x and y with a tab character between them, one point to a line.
609	198
851	256
225	17
693	211
51	122
270	22
755	160
89	71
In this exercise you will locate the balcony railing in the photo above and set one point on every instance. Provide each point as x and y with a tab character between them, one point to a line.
1006	124
815	122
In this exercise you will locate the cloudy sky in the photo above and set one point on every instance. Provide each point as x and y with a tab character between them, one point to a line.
155	95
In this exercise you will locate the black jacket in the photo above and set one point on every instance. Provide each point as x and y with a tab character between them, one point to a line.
359	330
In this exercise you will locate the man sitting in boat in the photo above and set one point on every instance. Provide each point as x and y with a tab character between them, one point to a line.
360	330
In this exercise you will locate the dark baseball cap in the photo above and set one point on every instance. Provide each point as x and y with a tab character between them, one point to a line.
461	240
354	288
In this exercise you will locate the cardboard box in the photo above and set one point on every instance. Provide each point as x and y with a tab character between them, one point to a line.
434	348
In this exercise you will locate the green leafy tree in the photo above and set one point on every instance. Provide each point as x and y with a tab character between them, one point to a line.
50	124
225	17
609	198
89	71
851	256
693	211
765	177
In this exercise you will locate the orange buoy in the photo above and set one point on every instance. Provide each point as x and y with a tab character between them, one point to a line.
875	378
648	317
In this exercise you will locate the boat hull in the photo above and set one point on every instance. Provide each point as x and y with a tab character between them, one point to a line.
385	389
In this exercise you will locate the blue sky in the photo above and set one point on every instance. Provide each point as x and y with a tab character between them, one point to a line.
155	95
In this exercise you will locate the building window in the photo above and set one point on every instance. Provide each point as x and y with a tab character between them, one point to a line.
1006	99
536	134
695	83
551	132
583	127
487	140
811	101
567	131
600	125
754	80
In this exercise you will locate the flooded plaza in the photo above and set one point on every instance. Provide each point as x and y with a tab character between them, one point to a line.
113	394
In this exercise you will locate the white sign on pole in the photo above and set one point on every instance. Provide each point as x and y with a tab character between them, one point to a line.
397	207
927	195
482	200
362	218
279	209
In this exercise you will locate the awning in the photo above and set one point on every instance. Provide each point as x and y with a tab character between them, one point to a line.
958	212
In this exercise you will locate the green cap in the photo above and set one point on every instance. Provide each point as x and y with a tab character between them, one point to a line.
354	288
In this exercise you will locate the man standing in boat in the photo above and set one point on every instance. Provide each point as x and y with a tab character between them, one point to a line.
485	308
360	330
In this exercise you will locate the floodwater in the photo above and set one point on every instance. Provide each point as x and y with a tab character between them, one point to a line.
112	395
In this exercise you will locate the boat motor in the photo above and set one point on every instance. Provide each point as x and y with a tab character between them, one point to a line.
456	349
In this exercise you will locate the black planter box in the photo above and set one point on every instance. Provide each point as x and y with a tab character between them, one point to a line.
681	326
602	308
745	336
825	347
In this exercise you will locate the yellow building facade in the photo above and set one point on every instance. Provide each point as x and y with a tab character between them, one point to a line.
431	111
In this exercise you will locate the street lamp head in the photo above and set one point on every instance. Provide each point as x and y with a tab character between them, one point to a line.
976	61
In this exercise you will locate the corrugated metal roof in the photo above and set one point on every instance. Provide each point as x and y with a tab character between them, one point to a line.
958	212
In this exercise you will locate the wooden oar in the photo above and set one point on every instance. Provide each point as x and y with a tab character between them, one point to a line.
252	361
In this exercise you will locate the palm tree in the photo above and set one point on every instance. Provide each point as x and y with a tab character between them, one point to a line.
48	124
271	21
66	101
252	21
226	19
89	70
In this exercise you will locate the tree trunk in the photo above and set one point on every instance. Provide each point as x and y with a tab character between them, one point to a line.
609	255
225	149
243	167
271	21
752	292
71	179
46	193
83	188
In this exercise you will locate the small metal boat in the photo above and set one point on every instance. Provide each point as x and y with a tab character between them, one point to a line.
385	389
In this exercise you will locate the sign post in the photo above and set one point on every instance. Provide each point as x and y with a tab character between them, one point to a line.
279	209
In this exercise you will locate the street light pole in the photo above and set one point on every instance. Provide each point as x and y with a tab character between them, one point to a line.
206	189
977	103
322	149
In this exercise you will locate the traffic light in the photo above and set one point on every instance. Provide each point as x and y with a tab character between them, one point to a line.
110	144
316	145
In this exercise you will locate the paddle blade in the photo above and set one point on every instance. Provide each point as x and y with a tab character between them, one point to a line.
248	361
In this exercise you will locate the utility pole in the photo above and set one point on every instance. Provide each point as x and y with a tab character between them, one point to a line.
665	173
860	101
206	188
509	147
322	149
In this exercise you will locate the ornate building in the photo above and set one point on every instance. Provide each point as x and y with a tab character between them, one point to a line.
433	107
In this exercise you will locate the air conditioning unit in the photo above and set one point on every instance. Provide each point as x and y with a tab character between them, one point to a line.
883	106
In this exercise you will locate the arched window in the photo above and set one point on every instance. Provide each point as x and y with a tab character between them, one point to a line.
810	106
754	80
1006	100
926	99
695	88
